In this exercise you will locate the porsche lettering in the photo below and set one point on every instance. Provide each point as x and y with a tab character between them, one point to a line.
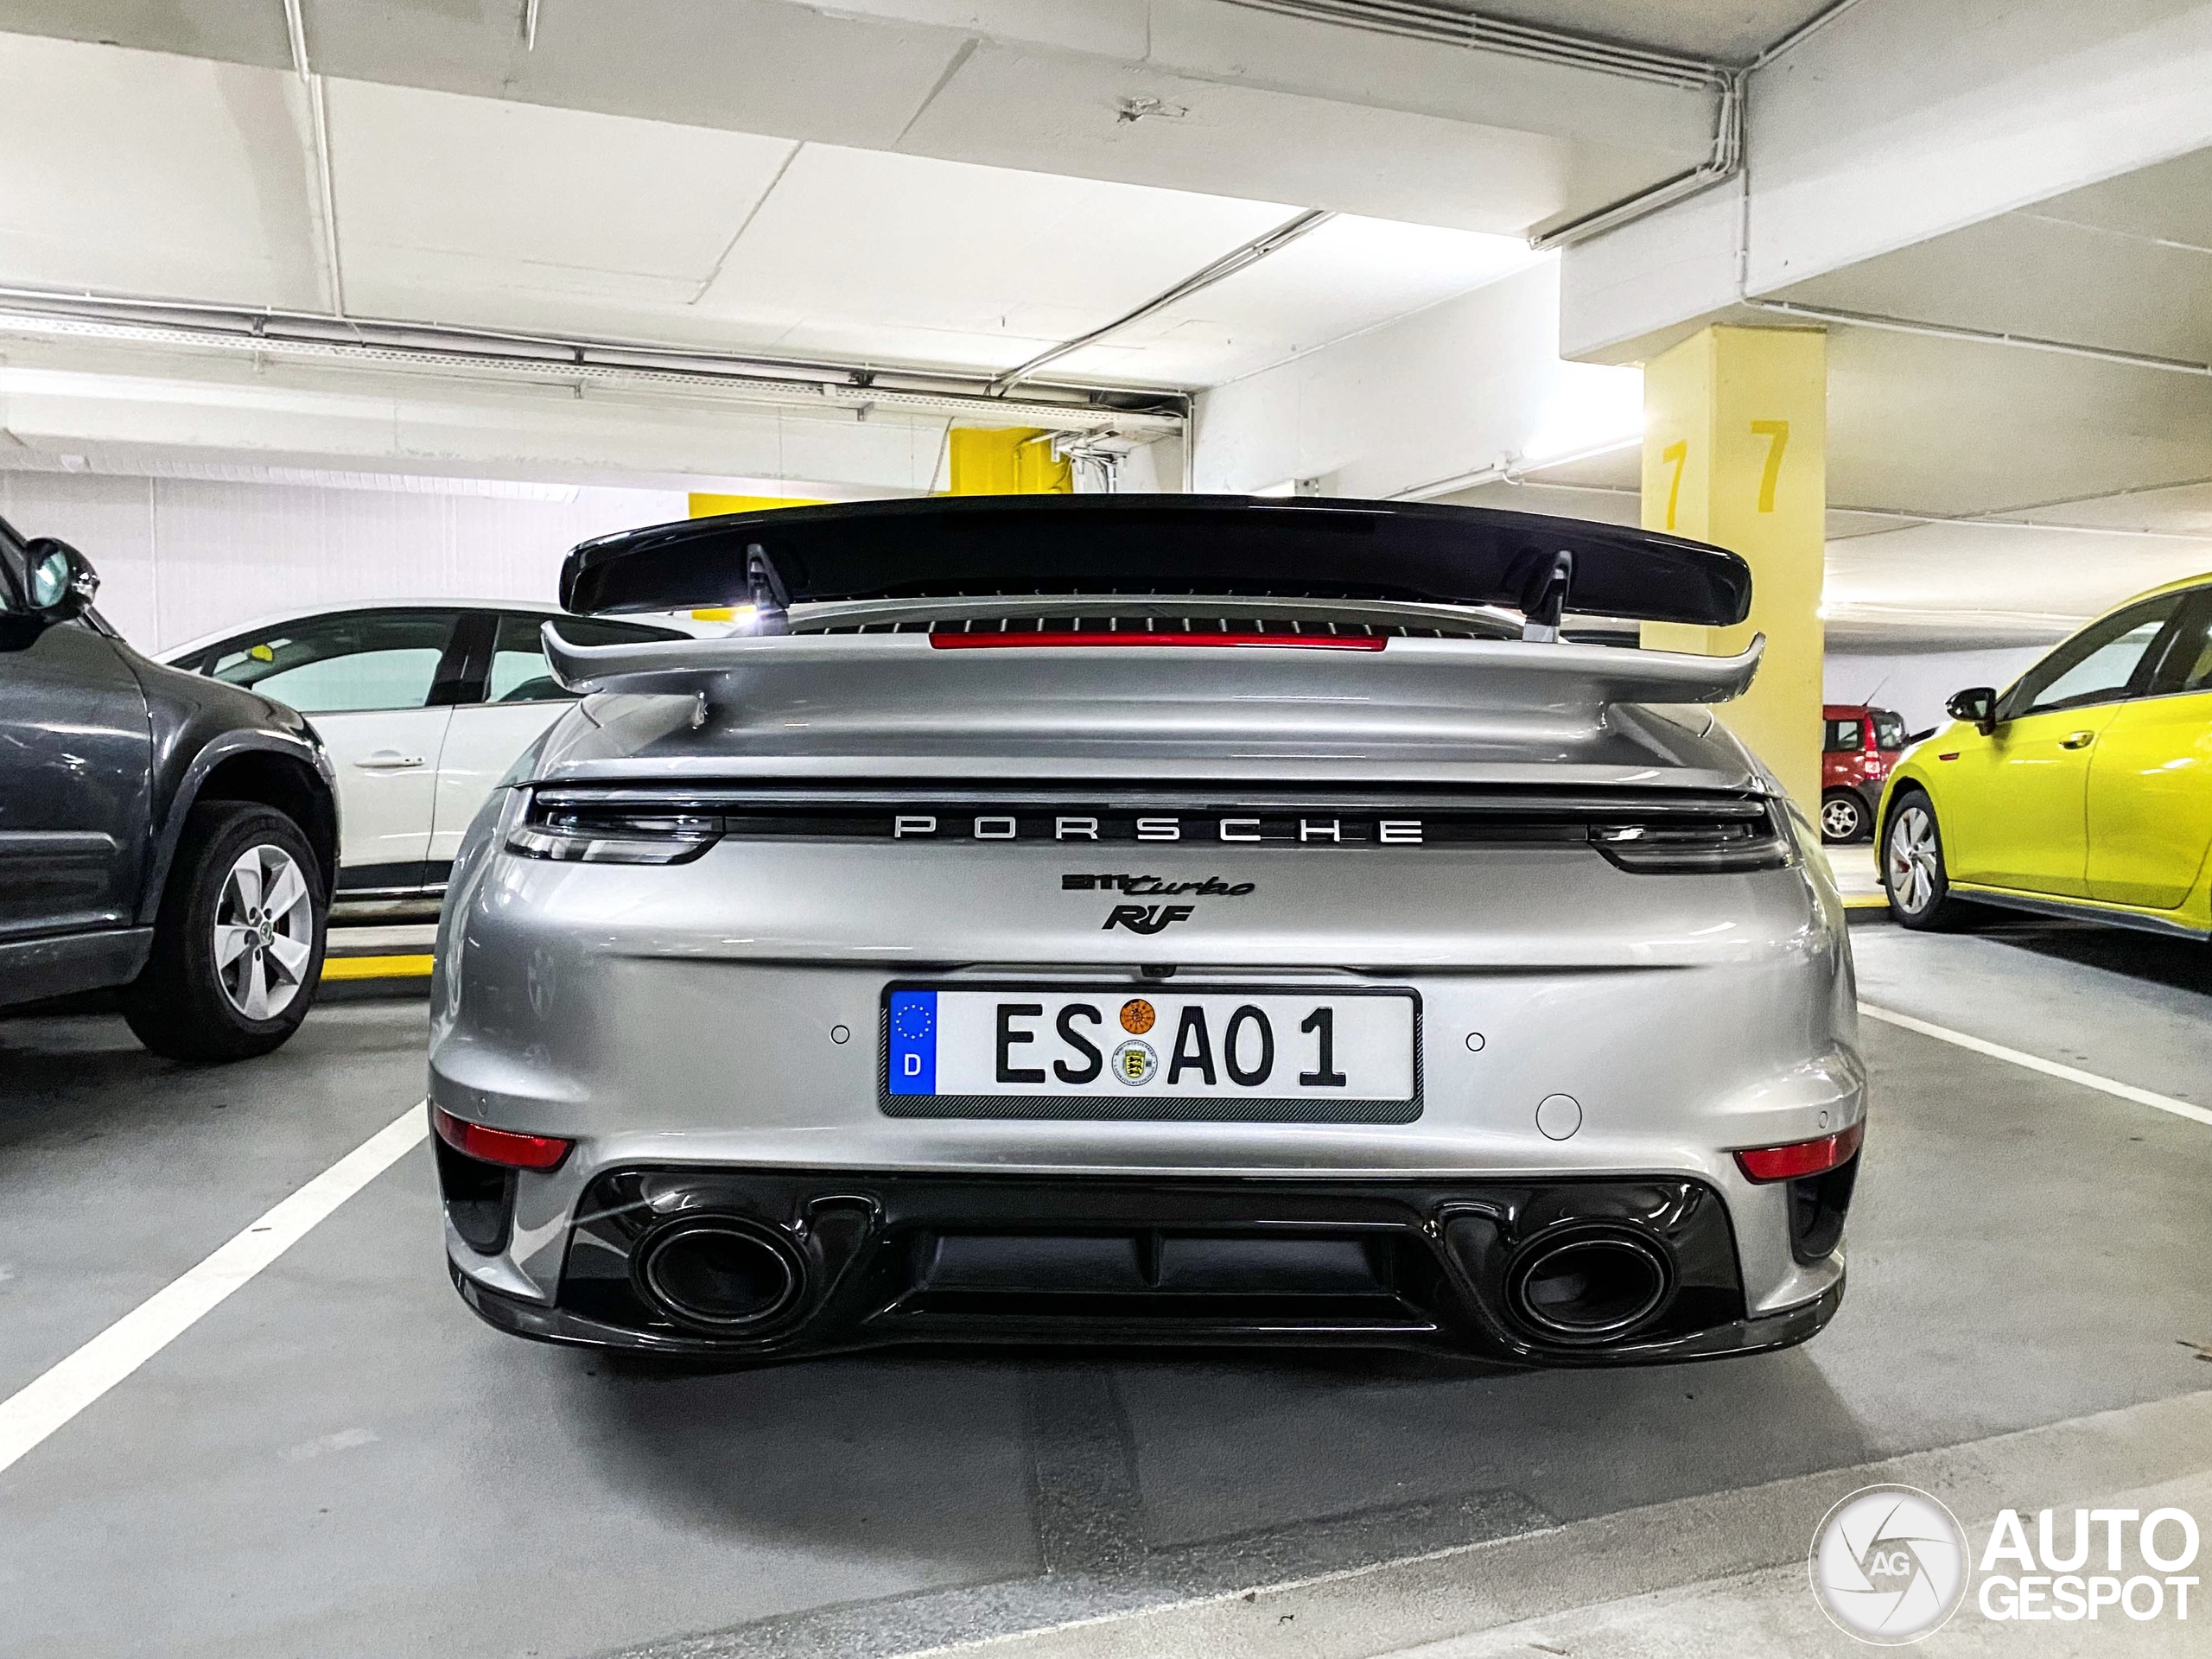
1252	828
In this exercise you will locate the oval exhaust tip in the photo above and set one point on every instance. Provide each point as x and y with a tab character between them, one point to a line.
1591	1286
722	1274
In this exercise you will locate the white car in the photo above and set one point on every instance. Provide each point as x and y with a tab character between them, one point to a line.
424	706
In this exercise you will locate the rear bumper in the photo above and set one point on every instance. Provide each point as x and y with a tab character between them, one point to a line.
838	1260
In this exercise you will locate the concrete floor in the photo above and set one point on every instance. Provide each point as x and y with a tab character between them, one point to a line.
1857	870
340	1460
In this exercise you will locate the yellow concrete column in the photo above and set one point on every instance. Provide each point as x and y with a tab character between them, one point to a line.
709	507
1007	460
1735	443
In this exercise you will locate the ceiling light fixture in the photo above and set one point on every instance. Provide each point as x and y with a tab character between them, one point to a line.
1136	109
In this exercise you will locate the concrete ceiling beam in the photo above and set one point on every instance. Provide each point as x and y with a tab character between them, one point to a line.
1901	126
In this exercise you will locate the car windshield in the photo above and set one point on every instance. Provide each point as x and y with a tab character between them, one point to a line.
1889	730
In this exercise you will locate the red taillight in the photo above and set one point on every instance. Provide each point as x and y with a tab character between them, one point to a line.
501	1146
1306	641
1801	1157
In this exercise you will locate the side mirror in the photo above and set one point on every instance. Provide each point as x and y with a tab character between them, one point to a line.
1977	703
63	580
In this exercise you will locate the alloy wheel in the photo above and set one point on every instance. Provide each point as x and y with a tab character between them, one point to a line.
264	932
1841	819
1913	859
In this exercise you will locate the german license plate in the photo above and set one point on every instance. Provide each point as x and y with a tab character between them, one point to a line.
1090	1052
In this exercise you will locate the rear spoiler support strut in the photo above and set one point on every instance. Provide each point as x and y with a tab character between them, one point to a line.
771	601
1545	601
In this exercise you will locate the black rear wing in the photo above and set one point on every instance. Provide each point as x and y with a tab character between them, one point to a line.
944	547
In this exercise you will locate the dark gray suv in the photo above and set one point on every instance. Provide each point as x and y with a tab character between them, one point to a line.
166	833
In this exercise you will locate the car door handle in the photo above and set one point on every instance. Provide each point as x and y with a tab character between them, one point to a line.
388	760
2077	740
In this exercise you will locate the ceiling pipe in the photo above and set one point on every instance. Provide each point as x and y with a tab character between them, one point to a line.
1978	336
1730	141
296	31
1908	519
1511	469
1229	265
1446	24
1725	162
488	354
1442	23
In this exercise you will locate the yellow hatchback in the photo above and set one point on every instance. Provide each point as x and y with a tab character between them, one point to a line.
2084	789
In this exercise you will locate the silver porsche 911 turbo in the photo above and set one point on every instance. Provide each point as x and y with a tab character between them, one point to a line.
1155	919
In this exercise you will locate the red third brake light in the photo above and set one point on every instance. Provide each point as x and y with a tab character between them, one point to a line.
1801	1157
1301	641
501	1146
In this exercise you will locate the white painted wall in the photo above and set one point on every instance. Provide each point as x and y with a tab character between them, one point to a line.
1439	394
1155	469
1917	684
179	557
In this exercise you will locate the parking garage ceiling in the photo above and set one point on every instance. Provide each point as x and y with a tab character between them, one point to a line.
496	214
956	187
1209	95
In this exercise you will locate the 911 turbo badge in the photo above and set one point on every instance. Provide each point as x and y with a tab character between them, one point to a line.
1213	887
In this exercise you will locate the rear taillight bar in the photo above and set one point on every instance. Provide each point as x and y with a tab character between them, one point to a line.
601	834
1751	841
502	1146
1801	1158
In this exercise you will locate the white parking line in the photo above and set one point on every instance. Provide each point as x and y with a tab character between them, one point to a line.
2036	1063
50	1400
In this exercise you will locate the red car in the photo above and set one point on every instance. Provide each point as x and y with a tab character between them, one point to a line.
1859	747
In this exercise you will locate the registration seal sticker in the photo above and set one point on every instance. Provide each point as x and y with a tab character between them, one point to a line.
1137	1016
1135	1063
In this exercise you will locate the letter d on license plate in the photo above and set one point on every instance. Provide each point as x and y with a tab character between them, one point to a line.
1262	1056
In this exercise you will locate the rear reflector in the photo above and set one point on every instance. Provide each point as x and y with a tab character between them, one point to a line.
502	1146
1305	641
1801	1157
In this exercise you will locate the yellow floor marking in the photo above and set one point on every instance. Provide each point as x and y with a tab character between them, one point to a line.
376	967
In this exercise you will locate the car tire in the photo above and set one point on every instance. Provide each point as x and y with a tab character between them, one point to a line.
238	940
1843	817
1913	872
